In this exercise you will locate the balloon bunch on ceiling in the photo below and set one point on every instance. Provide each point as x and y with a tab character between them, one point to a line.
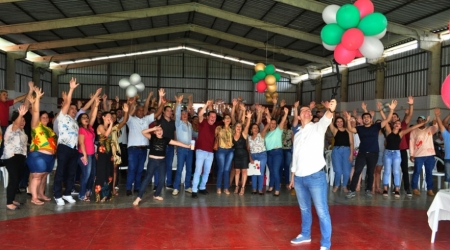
132	85
353	30
266	79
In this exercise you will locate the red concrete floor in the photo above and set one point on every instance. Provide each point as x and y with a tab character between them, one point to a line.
259	227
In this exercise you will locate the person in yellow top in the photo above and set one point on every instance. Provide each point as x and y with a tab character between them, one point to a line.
224	154
41	158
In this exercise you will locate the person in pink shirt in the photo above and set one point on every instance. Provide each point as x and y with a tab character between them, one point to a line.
421	151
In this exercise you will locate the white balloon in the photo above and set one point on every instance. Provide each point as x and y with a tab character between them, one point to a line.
381	35
140	87
329	13
371	48
123	83
329	47
135	79
131	91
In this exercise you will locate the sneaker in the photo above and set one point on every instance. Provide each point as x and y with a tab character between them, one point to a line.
175	192
169	187
430	193
385	193
69	198
350	195
416	192
194	195
116	188
408	193
60	202
300	239
324	248
397	194
189	190
203	191
74	192
368	193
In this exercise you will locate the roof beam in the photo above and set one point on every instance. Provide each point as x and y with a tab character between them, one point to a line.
157	11
392	27
169	30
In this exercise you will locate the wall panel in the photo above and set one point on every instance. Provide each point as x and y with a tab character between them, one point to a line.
172	65
394	86
122	68
219	69
194	66
2	70
92	70
147	66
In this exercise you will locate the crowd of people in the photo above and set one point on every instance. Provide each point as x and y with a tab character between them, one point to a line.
90	141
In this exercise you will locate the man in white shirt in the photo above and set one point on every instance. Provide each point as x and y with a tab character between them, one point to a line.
308	177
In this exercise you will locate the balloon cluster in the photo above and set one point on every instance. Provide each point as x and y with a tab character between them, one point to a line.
266	78
353	30
445	91
132	85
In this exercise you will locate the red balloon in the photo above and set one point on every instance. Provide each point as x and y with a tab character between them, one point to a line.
365	7
445	91
352	39
261	86
358	53
343	55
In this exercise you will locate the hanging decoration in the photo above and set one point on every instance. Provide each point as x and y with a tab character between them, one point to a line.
353	30
445	91
132	85
266	79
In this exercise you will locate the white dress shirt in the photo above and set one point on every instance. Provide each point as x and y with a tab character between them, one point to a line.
123	138
308	148
135	127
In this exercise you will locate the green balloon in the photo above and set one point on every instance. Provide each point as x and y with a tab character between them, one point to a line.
277	76
348	16
270	69
331	34
373	24
255	79
260	75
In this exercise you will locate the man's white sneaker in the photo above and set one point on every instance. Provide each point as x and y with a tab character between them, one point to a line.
69	198
189	190
175	192
60	202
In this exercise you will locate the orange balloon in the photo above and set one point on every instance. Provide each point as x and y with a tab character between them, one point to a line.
270	80
269	100
275	94
259	66
271	88
267	94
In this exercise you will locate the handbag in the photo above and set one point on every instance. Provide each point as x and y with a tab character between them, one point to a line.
254	169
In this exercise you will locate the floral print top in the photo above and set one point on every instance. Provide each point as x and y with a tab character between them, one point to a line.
68	130
225	138
104	144
43	138
15	143
287	138
257	145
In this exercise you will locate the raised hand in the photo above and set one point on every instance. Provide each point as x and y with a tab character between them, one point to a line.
242	106
110	102
73	83
274	100
393	104
104	97
117	99
235	102
64	96
96	101
190	98
286	111
332	105
346	115
428	119
249	114
31	99
437	112
125	108
379	106
282	103
372	113
312	105
31	85
38	92
150	94
296	104
161	92
355	113
98	92
179	99
410	100
364	106
22	110
325	104
79	104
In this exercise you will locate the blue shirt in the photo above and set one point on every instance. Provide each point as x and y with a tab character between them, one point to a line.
183	129
446	136
369	137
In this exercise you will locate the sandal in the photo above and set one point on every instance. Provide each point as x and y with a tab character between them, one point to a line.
236	190
242	190
44	198
253	191
219	191
37	202
158	198
269	190
335	189
277	193
226	191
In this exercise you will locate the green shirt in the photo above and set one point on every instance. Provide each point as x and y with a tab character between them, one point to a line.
273	139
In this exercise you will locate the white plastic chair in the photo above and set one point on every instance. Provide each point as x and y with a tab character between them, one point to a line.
436	173
5	176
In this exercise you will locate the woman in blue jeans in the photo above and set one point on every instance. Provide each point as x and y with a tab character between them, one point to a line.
288	135
224	154
342	154
274	144
392	157
257	150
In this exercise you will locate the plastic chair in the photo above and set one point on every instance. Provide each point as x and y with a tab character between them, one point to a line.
436	173
5	176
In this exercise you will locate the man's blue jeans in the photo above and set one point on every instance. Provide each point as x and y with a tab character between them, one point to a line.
203	162
274	161
341	165
392	161
87	175
428	162
258	180
136	161
285	169
224	157
184	155
314	187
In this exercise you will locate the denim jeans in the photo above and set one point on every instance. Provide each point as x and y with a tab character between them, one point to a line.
258	180
314	187
203	162
153	165
136	161
65	171
368	159
392	160
39	162
285	169
274	161
184	155
342	166
447	170
405	170
224	157
169	160
87	174
428	162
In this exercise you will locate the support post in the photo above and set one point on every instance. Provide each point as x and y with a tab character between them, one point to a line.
10	78
379	68
55	82
434	65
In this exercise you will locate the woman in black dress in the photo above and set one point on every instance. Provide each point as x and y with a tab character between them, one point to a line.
241	153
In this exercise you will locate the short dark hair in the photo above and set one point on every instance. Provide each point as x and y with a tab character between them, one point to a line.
14	116
364	114
337	118
212	112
